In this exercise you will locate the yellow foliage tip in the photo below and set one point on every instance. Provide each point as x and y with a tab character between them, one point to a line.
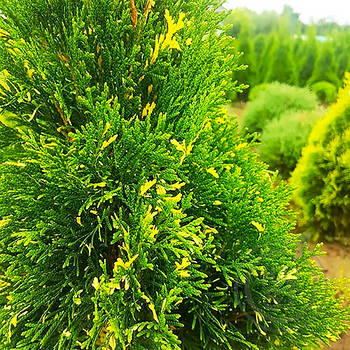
96	283
241	146
184	273
220	120
161	191
173	28
213	172
4	222
258	226
155	316
184	263
168	40
66	333
151	306
147	186
148	7
107	127
177	186
155	51
105	144
3	78
181	268
4	33
124	265
149	108
181	147
14	321
188	41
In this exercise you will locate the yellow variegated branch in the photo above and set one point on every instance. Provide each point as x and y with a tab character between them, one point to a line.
168	40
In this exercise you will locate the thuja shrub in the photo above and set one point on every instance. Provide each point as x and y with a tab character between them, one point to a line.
283	139
134	215
273	101
325	91
255	91
321	178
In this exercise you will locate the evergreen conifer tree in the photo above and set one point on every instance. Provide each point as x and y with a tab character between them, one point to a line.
133	216
306	56
262	46
326	67
321	178
281	65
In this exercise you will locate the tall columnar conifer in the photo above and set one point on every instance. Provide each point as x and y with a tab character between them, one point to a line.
326	66
281	64
133	216
321	178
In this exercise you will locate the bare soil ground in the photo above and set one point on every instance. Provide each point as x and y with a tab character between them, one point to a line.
336	264
236	110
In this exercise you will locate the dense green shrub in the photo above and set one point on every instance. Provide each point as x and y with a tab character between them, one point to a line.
275	100
135	217
325	91
255	91
283	139
322	176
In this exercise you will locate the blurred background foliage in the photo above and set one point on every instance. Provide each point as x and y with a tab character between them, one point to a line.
280	47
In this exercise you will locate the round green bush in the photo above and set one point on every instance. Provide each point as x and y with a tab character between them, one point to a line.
273	101
322	176
283	139
255	91
135	216
325	91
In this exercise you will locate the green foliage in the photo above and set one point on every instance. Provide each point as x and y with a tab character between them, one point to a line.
255	91
231	95
282	48
273	101
325	91
326	66
9	140
262	45
283	139
281	65
134	216
305	56
321	179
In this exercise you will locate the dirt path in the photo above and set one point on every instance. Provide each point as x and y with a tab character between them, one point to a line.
236	110
336	264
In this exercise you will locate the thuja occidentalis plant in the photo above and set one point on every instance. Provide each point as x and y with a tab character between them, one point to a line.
133	215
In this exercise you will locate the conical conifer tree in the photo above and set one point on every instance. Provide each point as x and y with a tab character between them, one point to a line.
326	67
281	65
306	56
133	216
